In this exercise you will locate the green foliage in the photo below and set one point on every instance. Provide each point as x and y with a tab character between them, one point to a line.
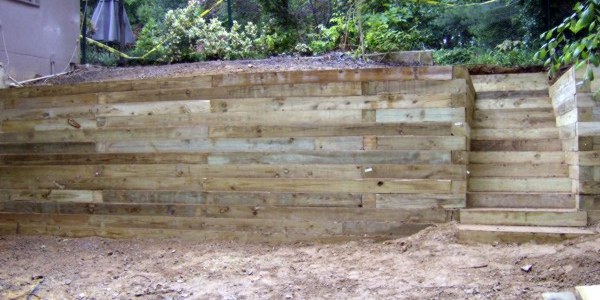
97	56
190	38
575	41
514	56
390	27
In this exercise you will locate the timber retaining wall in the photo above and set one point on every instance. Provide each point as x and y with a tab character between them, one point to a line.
260	156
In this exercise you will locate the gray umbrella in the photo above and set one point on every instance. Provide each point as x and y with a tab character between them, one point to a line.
106	22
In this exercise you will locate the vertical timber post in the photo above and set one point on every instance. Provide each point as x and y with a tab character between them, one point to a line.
229	15
83	42
121	20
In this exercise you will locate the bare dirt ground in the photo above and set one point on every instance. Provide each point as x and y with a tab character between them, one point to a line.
428	265
284	63
90	73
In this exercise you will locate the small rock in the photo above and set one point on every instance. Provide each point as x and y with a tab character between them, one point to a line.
527	268
173	251
179	280
68	282
558	296
288	297
81	296
250	66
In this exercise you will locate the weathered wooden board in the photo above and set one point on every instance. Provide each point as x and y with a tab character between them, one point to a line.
95	159
517	145
514	118
420	115
427	215
518	170
410	186
78	147
420	201
510	82
524	217
514	133
333	157
56	195
56	172
421	87
333	103
115	134
520	200
529	157
500	184
524	102
109	110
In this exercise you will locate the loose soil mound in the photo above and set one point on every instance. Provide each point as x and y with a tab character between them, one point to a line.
428	265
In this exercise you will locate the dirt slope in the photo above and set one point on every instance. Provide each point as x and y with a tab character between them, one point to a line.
429	265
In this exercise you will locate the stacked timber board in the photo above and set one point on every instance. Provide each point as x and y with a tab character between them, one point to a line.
258	156
578	117
519	186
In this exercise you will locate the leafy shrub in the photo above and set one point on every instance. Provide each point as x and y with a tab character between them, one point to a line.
189	37
575	41
97	56
394	28
480	56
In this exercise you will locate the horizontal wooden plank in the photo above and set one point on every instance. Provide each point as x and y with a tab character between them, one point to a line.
108	110
87	159
191	93
56	195
421	87
218	145
282	90
489	234
514	118
120	85
116	134
520	200
420	115
101	183
78	147
519	170
234	198
587	158
333	157
419	201
332	103
524	102
425	171
589	187
531	157
421	143
514	133
371	74
588	128
510	82
319	130
428	215
523	217
58	172
308	185
517	145
240	118
491	184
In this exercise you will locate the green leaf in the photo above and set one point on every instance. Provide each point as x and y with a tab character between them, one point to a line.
549	34
580	64
589	75
594	60
585	19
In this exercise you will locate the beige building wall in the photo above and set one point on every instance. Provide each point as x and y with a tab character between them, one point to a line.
38	37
